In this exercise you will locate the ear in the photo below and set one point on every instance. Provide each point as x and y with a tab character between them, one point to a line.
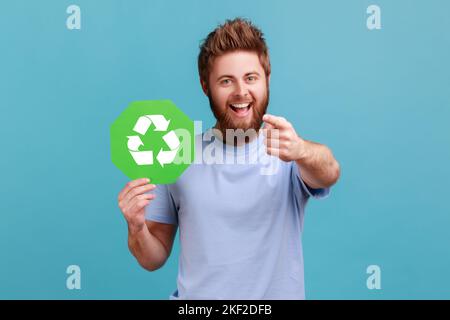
204	87
268	80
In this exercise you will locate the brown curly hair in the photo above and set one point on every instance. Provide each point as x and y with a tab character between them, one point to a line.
236	34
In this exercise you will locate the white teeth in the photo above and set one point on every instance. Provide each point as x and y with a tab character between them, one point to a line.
241	105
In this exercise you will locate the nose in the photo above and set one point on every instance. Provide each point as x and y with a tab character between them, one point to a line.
241	90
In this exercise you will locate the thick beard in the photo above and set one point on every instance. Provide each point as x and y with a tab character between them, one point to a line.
225	121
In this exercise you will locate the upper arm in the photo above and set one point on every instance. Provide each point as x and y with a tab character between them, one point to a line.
164	232
302	188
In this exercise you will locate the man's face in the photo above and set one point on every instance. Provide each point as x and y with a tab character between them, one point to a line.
238	91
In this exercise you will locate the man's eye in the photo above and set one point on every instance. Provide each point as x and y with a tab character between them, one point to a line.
251	78
226	81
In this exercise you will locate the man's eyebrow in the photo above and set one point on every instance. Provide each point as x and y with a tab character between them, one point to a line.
225	76
252	72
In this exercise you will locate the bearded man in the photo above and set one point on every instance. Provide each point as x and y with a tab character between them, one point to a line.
240	228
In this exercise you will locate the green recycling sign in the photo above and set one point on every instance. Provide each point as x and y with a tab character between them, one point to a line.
152	139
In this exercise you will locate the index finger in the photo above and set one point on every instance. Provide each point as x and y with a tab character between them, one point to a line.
277	122
132	184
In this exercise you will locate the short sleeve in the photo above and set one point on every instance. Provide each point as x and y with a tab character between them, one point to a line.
162	207
301	187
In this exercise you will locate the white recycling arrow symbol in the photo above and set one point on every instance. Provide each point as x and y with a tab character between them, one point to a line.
170	138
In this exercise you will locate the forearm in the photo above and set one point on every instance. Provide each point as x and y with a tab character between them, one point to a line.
147	249
318	167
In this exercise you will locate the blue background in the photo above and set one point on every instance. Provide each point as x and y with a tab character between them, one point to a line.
380	99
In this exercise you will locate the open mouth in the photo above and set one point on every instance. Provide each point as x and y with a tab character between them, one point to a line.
241	109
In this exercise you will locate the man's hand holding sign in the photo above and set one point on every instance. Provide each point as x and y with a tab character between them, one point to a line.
150	242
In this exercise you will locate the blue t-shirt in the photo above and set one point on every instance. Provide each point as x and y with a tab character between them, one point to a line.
240	217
